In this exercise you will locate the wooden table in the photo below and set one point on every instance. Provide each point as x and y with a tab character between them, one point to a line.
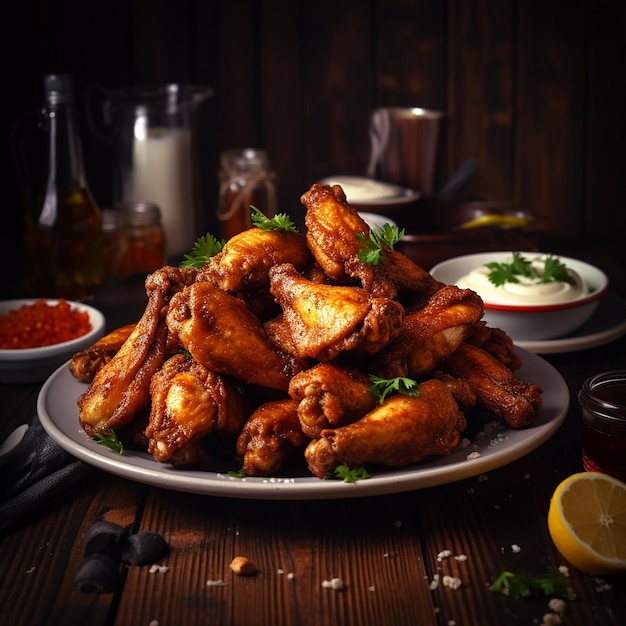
384	548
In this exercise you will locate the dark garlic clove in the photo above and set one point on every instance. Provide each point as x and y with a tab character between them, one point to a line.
97	573
143	548
104	538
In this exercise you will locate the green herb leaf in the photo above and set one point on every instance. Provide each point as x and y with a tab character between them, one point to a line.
111	441
280	221
236	473
522	586
203	249
553	270
380	240
351	475
384	387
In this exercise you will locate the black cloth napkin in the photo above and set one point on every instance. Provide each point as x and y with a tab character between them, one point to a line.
38	470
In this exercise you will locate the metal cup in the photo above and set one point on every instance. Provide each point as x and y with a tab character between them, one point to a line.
404	144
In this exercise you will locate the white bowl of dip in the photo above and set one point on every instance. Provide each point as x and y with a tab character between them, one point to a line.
528	310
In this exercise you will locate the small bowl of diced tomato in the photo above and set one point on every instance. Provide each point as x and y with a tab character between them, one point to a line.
39	335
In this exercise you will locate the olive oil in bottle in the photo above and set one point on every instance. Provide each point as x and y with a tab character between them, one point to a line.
64	245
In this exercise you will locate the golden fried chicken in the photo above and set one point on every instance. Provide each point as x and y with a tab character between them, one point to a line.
121	389
408	277
330	395
85	364
332	229
221	332
321	321
245	260
497	343
270	437
430	334
188	403
497	389
402	430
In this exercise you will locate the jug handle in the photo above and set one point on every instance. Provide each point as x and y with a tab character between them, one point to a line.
97	98
18	140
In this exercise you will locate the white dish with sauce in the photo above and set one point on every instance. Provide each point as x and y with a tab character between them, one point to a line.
528	313
34	365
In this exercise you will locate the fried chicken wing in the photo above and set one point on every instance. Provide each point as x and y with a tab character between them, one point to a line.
402	430
332	229
430	334
86	363
221	332
320	321
270	437
188	402
121	389
245	260
497	389
330	395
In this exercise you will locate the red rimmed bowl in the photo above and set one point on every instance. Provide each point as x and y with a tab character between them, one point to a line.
33	365
529	320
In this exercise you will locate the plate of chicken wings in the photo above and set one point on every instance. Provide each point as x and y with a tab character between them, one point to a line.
270	365
487	448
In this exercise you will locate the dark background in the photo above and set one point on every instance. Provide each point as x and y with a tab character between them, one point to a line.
532	89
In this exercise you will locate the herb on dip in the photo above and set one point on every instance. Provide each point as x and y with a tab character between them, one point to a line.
553	270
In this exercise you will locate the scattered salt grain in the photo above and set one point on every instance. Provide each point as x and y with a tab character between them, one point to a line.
290	576
564	570
215	583
461	557
515	548
333	583
473	455
557	605
154	623
280	571
482	478
434	583
452	582
551	619
444	554
161	569
31	570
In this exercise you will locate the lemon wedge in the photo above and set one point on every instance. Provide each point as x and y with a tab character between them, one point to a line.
587	522
503	221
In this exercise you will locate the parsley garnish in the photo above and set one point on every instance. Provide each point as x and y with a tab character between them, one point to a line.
280	221
380	240
203	249
351	475
522	586
237	473
111	441
553	270
383	387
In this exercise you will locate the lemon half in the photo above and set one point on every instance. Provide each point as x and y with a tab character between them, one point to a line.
587	522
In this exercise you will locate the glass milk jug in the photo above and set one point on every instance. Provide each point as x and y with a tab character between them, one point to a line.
156	152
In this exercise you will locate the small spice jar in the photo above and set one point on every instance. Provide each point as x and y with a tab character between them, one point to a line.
145	239
245	179
603	402
114	240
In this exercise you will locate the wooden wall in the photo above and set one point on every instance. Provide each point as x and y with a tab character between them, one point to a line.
532	89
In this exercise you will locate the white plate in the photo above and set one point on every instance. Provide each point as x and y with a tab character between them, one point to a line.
607	324
58	413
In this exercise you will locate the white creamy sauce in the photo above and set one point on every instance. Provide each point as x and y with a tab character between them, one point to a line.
526	291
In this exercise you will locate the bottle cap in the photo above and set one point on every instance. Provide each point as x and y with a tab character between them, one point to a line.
58	88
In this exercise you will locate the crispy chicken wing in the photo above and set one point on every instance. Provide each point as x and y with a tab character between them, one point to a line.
86	363
188	403
428	335
121	389
221	332
497	389
270	437
402	430
332	229
245	260
320	321
329	395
